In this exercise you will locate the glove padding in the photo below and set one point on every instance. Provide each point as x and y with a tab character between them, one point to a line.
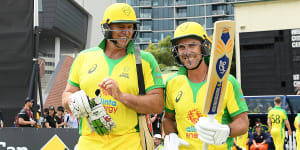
211	131
82	106
172	142
100	120
79	104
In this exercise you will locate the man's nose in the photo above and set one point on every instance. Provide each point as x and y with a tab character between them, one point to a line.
126	32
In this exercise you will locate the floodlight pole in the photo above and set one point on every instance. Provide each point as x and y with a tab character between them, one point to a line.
35	80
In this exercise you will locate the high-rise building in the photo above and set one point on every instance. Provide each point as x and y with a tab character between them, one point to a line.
159	18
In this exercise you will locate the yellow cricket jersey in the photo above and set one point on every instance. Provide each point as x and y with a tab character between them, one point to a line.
89	69
242	140
296	123
277	116
186	100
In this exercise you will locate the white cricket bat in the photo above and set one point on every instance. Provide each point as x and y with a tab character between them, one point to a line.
219	68
146	132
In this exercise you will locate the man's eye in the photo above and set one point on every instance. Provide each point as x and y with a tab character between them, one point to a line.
181	47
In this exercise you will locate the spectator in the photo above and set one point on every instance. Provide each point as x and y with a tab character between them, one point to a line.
25	116
264	127
38	116
156	123
259	139
298	89
50	119
46	112
70	120
60	117
157	142
1	120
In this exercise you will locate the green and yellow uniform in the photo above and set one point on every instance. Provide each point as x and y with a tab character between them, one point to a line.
88	70
186	99
241	140
277	115
296	124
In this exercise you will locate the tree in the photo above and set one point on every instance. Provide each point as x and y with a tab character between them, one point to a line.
162	53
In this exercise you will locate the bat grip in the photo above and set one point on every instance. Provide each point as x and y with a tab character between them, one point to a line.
210	118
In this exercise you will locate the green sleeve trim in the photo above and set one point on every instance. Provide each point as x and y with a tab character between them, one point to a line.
169	110
154	87
73	83
238	112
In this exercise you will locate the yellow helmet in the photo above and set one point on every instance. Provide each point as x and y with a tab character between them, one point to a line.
119	13
191	29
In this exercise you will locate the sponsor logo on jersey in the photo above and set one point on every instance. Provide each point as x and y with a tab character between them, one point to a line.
125	73
108	103
193	116
179	95
93	68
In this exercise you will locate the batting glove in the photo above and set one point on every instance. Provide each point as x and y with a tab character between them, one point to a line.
82	106
79	104
99	119
172	142
211	131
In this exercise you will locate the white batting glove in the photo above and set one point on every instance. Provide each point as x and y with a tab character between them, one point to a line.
172	142
79	104
82	106
211	131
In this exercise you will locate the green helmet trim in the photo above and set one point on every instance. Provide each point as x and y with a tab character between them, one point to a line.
186	36
125	21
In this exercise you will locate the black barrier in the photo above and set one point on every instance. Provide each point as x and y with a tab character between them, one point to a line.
37	138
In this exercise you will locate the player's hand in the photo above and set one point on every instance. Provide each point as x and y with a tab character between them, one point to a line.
112	88
172	142
211	131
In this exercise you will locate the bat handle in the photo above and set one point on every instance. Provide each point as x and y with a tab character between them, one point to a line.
210	118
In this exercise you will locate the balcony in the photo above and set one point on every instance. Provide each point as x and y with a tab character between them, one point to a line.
145	3
179	3
219	13
145	28
218	1
144	40
180	15
145	16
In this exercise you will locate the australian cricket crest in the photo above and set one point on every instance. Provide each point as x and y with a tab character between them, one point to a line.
126	10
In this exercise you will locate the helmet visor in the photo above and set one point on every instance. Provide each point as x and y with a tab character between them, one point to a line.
189	54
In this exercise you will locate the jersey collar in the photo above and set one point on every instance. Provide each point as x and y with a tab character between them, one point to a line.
182	70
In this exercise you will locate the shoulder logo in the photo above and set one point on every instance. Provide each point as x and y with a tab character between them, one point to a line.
179	95
93	68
